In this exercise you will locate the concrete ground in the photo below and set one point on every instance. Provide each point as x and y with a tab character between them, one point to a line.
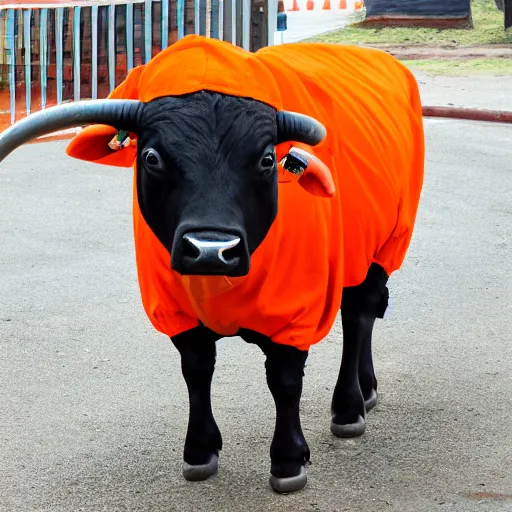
487	92
304	24
93	407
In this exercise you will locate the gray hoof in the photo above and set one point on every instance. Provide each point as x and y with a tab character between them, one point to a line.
290	484
202	471
371	402
350	430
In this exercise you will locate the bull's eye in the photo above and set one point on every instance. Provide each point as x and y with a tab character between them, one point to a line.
152	159
268	162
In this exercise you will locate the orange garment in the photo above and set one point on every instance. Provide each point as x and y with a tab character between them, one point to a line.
370	105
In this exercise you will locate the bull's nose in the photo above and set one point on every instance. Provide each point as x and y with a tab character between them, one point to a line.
210	253
205	250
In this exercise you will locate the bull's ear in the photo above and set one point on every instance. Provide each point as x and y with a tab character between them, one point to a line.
309	171
92	145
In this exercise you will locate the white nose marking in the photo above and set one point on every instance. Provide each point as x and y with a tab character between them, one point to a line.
209	247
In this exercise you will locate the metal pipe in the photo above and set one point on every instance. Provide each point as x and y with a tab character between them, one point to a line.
111	47
27	17
165	24
271	21
180	18
43	54
129	36
148	30
197	17
246	24
59	22
76	54
94	52
233	22
221	20
208	28
11	61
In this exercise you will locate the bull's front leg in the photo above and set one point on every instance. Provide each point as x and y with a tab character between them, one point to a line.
289	451
203	442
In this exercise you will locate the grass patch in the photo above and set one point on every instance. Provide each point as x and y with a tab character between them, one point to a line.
487	22
462	67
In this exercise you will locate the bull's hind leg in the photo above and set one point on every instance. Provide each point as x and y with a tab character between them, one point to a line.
203	441
356	390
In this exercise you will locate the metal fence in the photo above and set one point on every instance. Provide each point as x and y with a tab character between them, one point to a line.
53	53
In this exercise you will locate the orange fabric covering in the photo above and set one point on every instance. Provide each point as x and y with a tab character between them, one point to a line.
370	105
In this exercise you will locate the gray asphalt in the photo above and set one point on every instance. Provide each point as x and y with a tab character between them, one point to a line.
93	408
477	91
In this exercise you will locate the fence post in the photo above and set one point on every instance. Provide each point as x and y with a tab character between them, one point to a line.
129	36
259	24
76	54
27	18
59	23
11	61
165	24
271	15
180	18
43	55
111	59
148	30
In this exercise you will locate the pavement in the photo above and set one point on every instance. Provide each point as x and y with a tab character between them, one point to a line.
94	407
305	24
486	92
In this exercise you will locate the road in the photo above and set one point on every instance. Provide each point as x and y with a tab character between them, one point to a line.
94	409
304	24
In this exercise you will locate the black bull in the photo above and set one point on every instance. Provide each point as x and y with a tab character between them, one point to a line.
211	241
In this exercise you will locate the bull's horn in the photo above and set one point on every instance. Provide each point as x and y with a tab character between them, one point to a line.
121	114
299	128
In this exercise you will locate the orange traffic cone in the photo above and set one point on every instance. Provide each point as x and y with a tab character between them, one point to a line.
343	4
310	5
295	6
327	5
358	5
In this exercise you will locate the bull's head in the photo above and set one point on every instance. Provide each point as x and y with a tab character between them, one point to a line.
206	169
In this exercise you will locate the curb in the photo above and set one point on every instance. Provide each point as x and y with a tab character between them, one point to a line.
470	114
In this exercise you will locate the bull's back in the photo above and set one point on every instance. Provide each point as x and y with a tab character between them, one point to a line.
370	104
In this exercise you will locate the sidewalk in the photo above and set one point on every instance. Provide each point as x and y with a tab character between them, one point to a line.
306	24
487	92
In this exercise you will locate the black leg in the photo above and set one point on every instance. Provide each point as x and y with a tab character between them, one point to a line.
203	441
289	451
367	379
355	391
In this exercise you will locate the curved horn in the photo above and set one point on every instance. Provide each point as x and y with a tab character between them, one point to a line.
299	128
117	113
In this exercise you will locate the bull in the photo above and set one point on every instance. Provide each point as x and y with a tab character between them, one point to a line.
271	190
